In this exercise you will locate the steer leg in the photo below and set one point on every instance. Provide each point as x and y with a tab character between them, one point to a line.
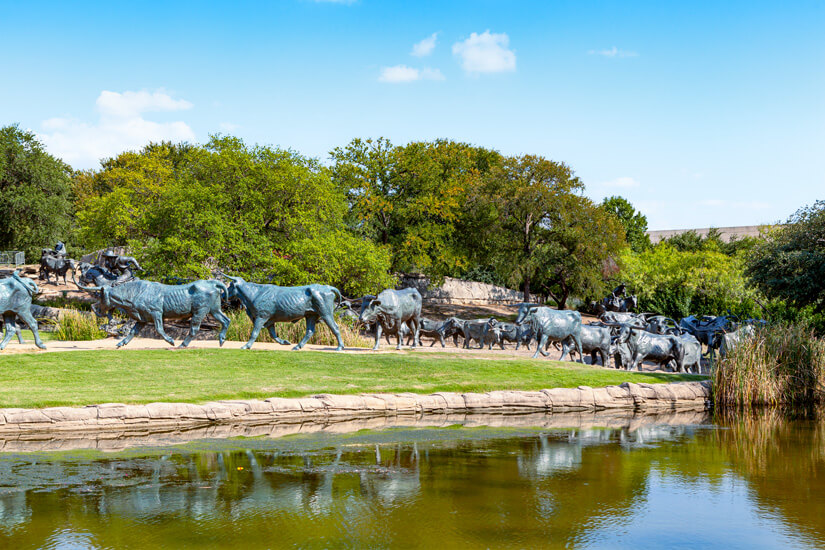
8	320
310	331
270	326
224	321
194	327
378	329
256	330
135	329
26	316
158	321
540	347
333	326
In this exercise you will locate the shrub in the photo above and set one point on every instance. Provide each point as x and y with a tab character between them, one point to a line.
780	364
79	326
241	328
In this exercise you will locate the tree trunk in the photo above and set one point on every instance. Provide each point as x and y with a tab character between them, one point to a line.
527	289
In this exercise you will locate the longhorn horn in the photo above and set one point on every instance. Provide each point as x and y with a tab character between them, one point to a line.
86	288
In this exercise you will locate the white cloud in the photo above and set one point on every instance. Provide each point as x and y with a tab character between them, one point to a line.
486	53
119	127
425	47
131	104
401	74
613	52
624	182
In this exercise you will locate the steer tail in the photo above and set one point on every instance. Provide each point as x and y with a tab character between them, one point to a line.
222	287
339	300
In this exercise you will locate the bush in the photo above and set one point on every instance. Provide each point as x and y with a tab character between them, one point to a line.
78	326
241	328
780	364
679	283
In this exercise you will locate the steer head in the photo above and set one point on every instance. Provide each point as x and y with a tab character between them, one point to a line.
369	314
525	309
234	284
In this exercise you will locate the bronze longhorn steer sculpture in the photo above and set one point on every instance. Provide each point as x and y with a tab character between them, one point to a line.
151	302
552	325
269	304
16	294
392	308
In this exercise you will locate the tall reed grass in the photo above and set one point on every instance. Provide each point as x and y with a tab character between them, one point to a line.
241	328
75	325
781	364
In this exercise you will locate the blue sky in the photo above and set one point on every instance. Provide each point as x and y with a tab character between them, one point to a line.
700	113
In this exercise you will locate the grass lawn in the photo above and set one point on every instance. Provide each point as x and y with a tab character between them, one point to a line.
199	375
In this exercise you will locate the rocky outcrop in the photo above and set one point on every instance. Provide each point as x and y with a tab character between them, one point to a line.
628	396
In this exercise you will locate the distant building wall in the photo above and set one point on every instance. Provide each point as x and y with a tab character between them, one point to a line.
726	233
456	291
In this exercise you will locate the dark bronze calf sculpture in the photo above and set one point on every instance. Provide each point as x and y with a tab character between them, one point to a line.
268	304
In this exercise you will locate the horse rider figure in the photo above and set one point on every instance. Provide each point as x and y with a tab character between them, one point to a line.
617	295
120	266
60	250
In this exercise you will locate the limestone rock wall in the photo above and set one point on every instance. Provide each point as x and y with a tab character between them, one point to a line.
457	291
107	416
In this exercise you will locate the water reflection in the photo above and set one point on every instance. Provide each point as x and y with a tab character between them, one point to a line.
754	481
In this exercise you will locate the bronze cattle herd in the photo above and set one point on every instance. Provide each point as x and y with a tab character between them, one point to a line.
628	338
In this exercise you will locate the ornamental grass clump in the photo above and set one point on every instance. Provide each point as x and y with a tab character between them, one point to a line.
782	364
241	328
79	326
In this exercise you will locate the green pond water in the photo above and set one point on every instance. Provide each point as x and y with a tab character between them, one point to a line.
752	481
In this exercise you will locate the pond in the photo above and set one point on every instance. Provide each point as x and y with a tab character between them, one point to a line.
750	481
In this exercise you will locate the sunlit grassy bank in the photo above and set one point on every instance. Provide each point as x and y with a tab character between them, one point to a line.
199	375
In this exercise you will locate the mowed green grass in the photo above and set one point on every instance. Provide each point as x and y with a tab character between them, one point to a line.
200	375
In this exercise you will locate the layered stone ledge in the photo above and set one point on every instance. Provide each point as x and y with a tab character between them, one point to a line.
109	416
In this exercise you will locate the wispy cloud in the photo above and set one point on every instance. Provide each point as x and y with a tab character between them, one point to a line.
399	74
613	52
623	182
425	47
486	53
228	126
120	126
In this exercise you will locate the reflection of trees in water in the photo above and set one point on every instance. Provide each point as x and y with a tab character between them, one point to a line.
783	462
548	489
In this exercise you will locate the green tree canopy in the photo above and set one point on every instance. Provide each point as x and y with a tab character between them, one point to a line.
35	194
633	221
412	198
790	263
678	283
535	228
264	213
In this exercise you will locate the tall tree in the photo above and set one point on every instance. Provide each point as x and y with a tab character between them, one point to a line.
521	203
633	221
790	263
412	198
35	194
583	251
264	213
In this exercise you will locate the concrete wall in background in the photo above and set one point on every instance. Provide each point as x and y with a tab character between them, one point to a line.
726	232
456	291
